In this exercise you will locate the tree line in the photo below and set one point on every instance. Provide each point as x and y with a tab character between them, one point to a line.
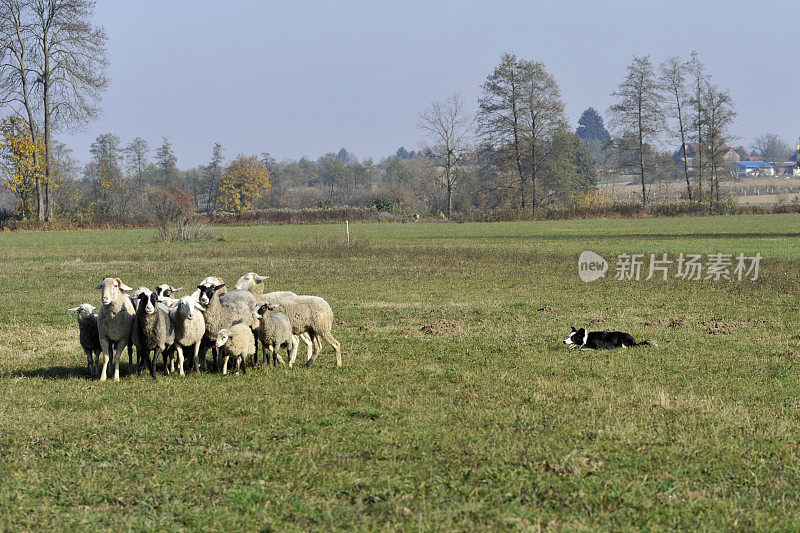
517	151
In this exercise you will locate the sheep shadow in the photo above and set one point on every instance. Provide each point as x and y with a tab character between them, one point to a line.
66	372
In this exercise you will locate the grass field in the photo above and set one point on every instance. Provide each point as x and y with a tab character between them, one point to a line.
457	407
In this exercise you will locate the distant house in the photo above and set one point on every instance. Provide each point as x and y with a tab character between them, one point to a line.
787	168
749	168
729	155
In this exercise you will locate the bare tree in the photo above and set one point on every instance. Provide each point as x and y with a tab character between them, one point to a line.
71	69
770	147
136	157
544	118
167	161
637	116
720	114
699	81
673	82
501	116
211	175
448	126
54	62
17	75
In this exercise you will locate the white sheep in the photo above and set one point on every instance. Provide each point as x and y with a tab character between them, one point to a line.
88	336
275	332
190	326
254	283
308	314
114	321
238	342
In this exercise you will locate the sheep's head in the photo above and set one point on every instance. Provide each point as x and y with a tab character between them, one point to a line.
250	280
207	292
111	288
261	310
84	310
189	307
165	289
149	300
224	336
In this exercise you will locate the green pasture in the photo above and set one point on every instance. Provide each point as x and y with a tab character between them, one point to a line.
457	406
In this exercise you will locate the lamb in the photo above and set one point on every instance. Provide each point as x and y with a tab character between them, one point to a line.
114	321
308	314
190	326
236	342
223	310
89	339
154	331
275	332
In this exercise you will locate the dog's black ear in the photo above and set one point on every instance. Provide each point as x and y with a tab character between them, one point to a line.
573	329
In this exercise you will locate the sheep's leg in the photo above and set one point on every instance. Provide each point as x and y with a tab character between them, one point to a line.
204	345
328	336
197	357
105	347
317	349
166	354
153	363
306	338
291	350
130	354
117	357
295	346
215	355
243	360
89	362
180	360
225	365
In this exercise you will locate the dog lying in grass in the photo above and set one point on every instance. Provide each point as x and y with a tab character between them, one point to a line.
602	340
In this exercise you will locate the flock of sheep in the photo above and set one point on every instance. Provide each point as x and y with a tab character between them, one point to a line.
231	323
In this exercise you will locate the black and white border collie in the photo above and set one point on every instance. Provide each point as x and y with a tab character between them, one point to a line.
602	340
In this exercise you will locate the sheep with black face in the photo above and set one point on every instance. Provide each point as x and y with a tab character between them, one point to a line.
154	331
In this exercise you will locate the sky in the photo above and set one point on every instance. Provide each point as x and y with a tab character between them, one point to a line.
309	77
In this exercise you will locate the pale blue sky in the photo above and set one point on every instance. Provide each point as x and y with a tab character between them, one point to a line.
309	77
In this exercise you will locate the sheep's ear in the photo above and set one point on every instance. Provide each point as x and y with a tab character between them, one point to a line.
100	286
218	287
122	286
261	278
232	335
573	328
174	289
74	308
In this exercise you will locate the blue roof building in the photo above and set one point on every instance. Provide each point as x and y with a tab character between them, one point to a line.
746	168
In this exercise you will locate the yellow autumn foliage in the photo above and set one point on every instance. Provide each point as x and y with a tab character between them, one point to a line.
243	182
21	163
